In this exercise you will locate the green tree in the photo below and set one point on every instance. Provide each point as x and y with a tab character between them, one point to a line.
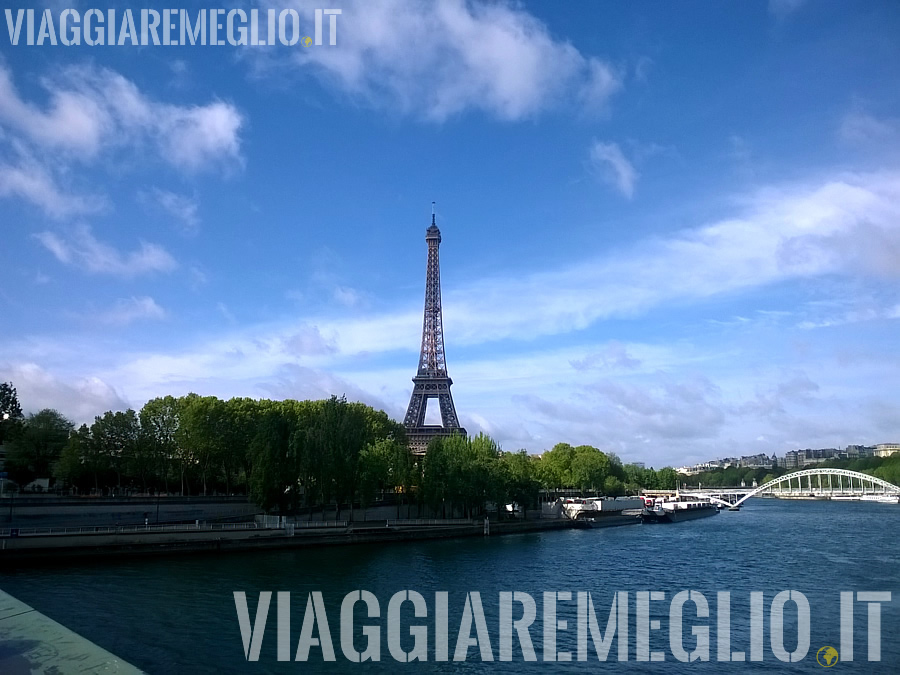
10	411
375	462
239	423
75	465
201	434
275	483
115	436
488	476
336	435
36	445
589	469
159	423
524	486
666	479
437	474
556	466
613	487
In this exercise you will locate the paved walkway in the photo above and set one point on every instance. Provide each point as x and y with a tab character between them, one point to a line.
31	643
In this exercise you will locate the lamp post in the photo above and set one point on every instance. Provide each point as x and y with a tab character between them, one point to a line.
3	473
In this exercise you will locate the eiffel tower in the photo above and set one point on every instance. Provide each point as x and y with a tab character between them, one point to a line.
431	380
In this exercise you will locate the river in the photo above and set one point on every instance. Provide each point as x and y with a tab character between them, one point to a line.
178	614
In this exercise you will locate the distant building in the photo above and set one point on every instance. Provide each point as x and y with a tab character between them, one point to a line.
886	449
638	465
798	459
858	451
760	461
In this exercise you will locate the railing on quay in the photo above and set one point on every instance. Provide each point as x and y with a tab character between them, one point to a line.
429	521
126	529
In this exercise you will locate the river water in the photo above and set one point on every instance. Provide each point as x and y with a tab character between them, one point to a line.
178	614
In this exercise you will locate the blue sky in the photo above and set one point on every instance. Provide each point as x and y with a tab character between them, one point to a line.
670	230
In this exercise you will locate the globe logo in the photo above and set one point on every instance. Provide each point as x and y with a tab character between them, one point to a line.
827	656
307	41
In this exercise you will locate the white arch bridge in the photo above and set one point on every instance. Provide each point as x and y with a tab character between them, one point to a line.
808	483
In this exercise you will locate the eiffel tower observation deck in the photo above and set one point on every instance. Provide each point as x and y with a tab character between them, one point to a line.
431	380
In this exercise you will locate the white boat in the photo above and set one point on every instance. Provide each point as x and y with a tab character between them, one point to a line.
881	499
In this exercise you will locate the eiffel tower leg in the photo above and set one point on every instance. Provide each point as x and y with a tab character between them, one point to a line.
448	411
418	402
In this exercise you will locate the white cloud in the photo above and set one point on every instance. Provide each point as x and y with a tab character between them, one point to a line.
182	208
95	114
849	225
299	382
226	313
33	183
78	398
128	310
868	311
81	249
440	59
613	356
614	168
671	410
346	296
73	122
674	400
192	138
93	109
308	340
789	233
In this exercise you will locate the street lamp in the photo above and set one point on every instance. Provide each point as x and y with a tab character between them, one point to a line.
3	473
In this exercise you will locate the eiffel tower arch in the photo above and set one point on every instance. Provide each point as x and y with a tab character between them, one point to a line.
431	380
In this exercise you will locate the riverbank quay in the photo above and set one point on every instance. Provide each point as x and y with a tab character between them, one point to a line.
33	643
49	511
112	543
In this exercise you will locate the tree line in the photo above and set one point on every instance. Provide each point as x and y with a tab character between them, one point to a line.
464	475
291	456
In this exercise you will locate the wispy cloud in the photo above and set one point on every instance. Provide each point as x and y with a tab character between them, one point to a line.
613	167
784	8
94	114
862	128
92	109
128	310
32	182
440	59
83	250
845	226
184	209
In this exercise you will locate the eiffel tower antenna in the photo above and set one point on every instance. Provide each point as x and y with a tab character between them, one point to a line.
431	380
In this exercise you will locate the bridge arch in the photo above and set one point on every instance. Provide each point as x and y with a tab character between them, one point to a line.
887	488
